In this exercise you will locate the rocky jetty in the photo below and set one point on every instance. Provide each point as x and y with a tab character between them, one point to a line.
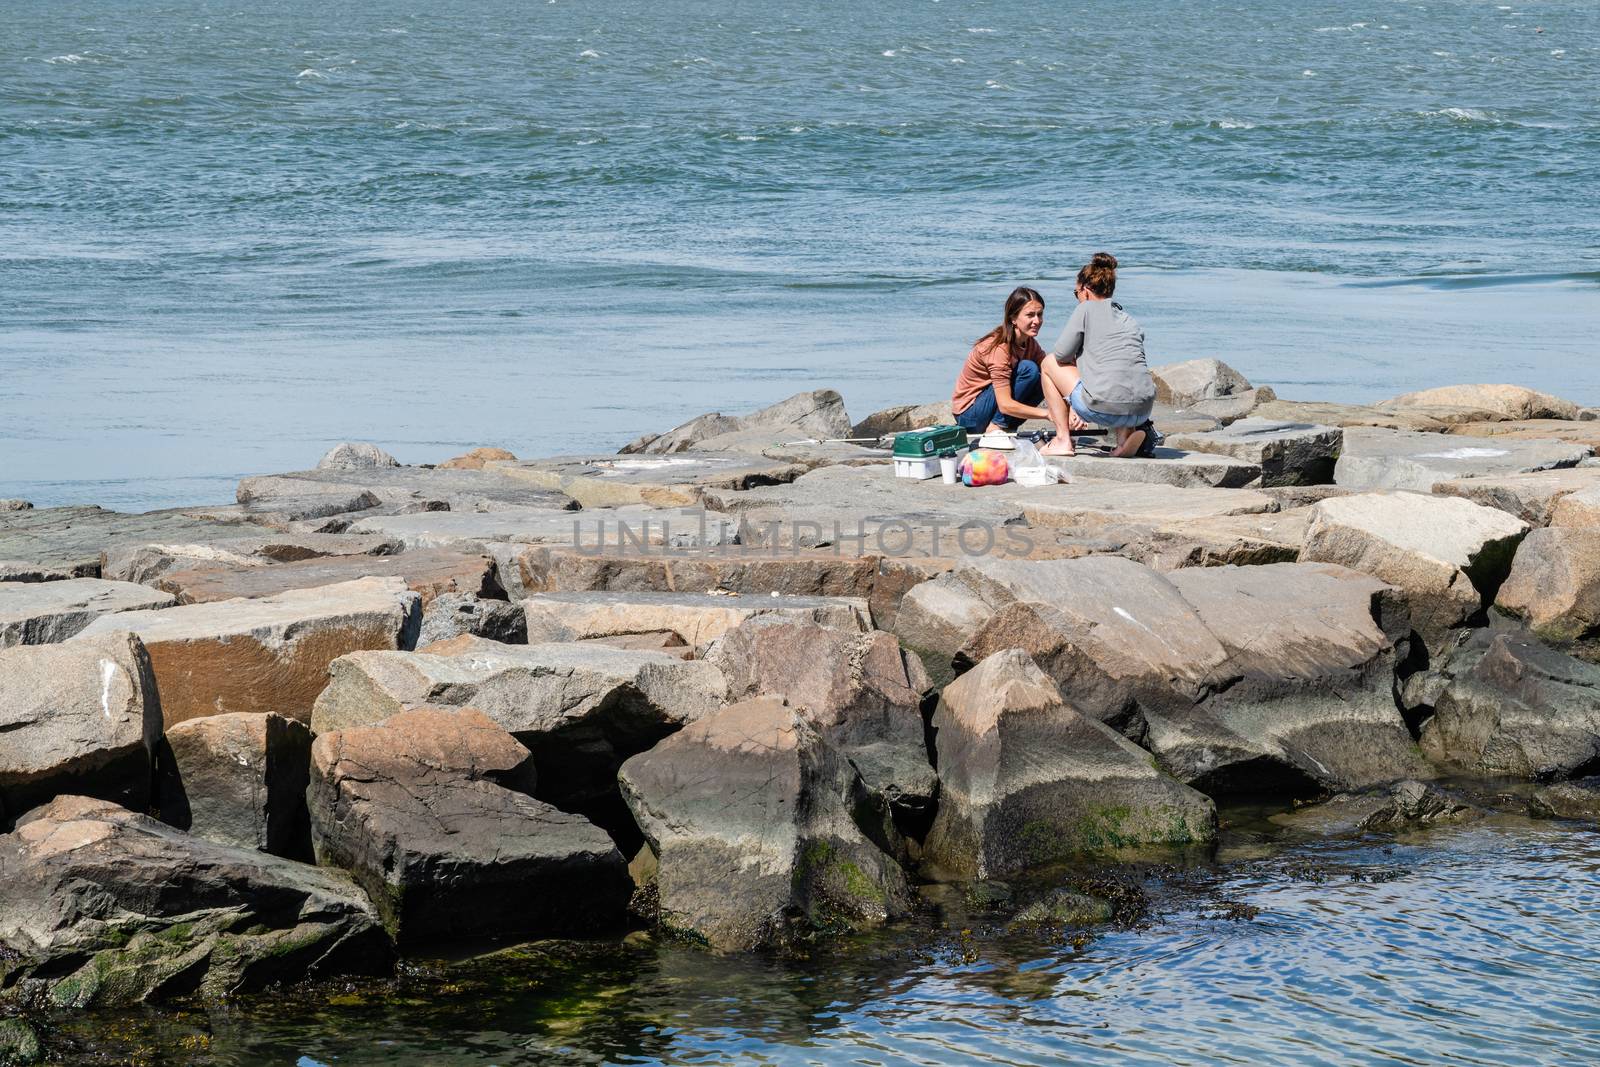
741	685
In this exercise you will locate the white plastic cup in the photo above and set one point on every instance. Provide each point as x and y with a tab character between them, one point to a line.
947	469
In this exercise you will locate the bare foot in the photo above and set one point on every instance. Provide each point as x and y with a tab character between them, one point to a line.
995	429
1128	445
1060	446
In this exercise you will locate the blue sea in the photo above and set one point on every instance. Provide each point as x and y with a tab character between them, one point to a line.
232	235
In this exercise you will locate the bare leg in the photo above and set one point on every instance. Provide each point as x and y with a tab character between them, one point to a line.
1059	380
1128	442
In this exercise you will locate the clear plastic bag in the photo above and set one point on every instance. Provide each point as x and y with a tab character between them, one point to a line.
1030	467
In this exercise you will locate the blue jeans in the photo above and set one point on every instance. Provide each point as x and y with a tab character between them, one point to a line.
1026	388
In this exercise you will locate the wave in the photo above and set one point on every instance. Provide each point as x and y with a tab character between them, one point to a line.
1485	280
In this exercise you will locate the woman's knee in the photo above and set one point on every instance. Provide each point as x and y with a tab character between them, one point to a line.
1025	384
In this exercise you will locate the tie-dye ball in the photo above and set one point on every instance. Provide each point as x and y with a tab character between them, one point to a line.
985	466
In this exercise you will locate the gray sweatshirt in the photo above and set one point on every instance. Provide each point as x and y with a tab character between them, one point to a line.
1107	344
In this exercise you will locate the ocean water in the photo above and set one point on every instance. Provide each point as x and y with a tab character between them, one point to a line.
234	234
1472	945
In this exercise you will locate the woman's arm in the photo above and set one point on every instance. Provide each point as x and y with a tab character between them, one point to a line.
1010	405
1069	346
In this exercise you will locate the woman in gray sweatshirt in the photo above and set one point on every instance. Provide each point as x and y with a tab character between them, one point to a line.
1099	367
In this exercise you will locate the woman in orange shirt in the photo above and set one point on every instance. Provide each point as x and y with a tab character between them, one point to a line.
999	387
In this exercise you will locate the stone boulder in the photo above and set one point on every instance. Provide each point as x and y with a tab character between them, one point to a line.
238	779
1510	401
1113	633
1533	496
862	693
747	811
698	618
477	459
1305	701
1406	805
902	417
423	810
1374	458
1028	780
453	614
1511	706
582	709
1580	510
355	457
429	572
148	563
818	414
13	504
14	570
42	613
74	538
103	907
681	480
266	655
1554	585
1288	453
77	718
1347	415
1231	408
1578	799
1447	555
1187	383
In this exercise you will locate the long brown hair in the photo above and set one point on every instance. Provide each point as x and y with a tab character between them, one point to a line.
1006	332
1099	275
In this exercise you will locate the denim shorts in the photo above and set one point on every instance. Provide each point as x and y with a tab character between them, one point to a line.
1115	422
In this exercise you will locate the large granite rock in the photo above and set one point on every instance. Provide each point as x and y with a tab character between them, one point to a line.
398	488
676	481
42	613
582	709
1580	509
595	532
1098	503
238	779
696	617
454	614
1575	431
103	907
1231	408
1114	634
1394	459
1306	699
1406	805
429	573
817	414
879	580
1187	383
1511	401
477	459
147	563
74	538
77	718
862	693
1535	497
1578	799
1026	779
1169	466
1554	583
1513	707
1288	453
13	570
1447	555
748	813
266	655
1348	415
418	808
14	504
903	417
356	457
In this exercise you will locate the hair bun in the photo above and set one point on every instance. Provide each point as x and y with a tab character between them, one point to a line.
1103	259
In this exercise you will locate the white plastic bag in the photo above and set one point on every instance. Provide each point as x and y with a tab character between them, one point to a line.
1029	467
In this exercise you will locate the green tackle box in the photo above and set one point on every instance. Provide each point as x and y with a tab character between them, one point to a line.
929	442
